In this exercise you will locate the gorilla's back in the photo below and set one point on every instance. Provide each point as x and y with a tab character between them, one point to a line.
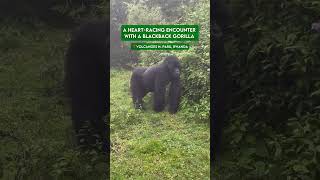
149	78
86	68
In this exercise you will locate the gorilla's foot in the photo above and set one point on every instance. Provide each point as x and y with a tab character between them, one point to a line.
138	105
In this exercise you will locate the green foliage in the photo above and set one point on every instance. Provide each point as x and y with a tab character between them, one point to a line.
141	14
273	59
152	57
121	55
171	10
81	9
51	10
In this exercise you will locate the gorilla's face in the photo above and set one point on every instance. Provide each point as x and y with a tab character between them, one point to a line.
173	65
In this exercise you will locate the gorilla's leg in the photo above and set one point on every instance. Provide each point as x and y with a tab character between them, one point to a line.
174	96
80	123
159	95
89	103
77	123
98	123
137	89
90	127
101	130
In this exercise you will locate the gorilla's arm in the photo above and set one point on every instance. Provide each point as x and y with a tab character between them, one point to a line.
174	96
137	88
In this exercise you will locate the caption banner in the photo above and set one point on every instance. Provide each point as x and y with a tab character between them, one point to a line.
159	33
158	46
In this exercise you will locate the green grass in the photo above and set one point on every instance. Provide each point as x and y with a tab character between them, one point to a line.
149	145
35	126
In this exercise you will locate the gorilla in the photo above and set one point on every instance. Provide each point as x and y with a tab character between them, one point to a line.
86	82
220	25
155	79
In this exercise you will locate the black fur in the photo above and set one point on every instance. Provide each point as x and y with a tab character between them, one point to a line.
155	79
220	98
86	80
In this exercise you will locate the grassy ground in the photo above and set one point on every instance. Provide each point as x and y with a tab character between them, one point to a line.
35	125
149	145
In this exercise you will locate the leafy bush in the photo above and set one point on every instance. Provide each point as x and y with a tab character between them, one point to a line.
274	63
49	9
142	14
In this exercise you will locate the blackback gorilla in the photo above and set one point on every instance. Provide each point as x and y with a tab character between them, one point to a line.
86	81
219	25
155	79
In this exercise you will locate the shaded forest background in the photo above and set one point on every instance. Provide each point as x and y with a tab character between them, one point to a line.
273	127
273	60
36	134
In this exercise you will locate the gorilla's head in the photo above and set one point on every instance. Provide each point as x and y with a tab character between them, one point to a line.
173	64
315	26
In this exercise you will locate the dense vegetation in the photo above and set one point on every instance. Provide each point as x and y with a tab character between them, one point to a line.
273	128
36	135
